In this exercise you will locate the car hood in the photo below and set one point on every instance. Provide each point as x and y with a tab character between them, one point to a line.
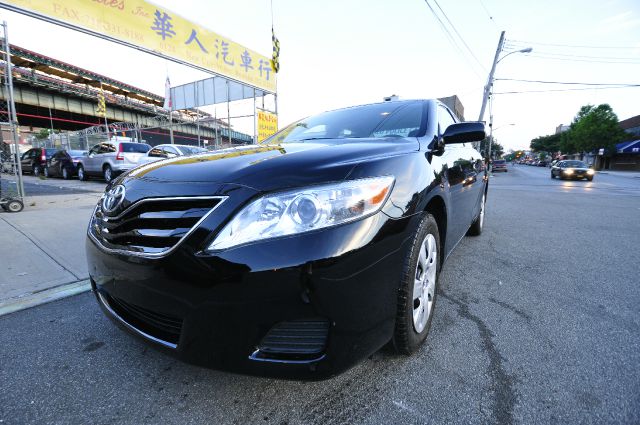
270	167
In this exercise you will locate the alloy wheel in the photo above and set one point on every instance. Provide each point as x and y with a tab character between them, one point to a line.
424	284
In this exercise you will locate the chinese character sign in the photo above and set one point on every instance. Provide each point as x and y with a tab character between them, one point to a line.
267	124
155	28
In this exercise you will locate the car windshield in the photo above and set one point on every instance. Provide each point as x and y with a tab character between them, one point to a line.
135	147
575	164
191	150
50	152
499	162
391	119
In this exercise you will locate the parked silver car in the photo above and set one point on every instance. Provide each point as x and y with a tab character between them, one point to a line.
169	151
108	159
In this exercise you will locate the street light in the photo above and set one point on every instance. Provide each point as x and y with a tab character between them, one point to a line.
496	59
525	50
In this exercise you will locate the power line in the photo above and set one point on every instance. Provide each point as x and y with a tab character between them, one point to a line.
542	56
489	14
567	82
625	58
574	45
459	36
451	38
558	90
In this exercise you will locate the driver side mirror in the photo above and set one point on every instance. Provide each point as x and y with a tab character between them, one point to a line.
464	132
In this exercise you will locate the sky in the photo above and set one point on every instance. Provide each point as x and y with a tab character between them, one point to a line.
337	53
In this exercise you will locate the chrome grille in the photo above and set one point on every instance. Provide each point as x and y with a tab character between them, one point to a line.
153	226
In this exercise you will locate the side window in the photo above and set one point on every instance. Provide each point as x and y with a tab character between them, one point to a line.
444	119
94	149
404	123
106	148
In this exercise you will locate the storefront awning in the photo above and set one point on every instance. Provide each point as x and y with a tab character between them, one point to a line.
628	147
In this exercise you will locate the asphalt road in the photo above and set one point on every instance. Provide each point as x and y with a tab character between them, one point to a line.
537	322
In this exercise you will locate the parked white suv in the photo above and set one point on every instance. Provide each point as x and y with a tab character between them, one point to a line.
108	159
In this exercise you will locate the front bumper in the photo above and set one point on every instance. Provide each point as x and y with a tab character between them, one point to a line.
217	310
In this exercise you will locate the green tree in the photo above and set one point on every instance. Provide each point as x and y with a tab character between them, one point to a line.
42	134
546	143
496	148
596	127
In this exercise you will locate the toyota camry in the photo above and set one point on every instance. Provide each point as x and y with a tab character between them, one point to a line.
297	257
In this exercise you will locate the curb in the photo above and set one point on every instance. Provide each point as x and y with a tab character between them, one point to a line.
43	297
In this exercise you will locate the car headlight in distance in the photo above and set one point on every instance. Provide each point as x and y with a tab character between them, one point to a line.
304	210
590	172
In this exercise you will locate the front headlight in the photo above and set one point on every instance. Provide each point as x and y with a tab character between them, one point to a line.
590	172
304	210
569	171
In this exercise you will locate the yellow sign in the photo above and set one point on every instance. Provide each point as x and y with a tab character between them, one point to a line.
267	124
154	28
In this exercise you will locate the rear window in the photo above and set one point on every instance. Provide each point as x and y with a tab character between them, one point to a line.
50	152
500	162
135	147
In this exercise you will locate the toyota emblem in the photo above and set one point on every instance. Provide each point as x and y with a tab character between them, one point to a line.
113	198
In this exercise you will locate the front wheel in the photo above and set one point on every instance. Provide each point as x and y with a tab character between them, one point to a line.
418	286
81	175
65	173
37	170
46	172
107	173
552	176
590	178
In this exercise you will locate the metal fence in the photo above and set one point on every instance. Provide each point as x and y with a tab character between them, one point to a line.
11	186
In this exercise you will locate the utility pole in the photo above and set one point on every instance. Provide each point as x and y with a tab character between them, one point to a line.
487	88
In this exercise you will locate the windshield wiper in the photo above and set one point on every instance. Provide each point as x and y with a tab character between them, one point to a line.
314	138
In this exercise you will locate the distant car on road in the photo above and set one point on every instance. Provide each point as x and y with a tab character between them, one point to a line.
35	160
571	169
499	165
169	151
64	163
108	159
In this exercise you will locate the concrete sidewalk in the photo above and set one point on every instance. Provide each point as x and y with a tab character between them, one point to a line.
629	174
42	249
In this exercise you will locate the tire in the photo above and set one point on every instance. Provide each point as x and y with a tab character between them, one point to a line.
37	170
64	172
552	176
14	206
81	175
590	179
478	223
418	287
107	173
46	172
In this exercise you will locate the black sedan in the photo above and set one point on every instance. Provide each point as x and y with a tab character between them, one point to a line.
64	163
572	169
297	257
